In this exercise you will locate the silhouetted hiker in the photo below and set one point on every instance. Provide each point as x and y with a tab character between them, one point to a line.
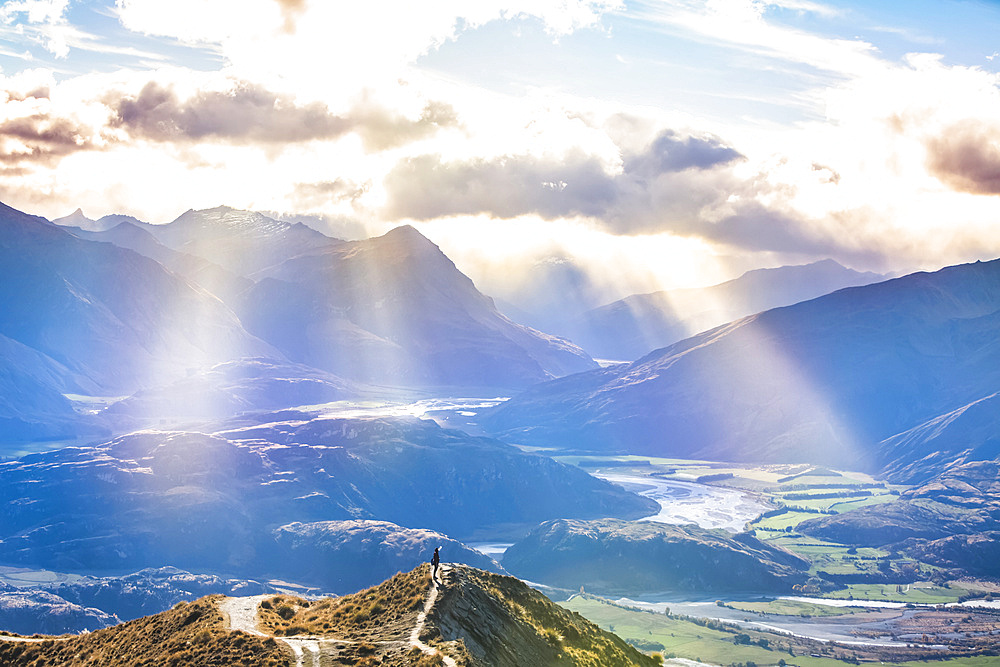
435	562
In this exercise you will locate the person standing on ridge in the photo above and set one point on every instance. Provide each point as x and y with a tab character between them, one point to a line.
435	562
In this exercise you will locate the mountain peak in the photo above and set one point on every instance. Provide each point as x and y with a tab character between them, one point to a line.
76	219
408	232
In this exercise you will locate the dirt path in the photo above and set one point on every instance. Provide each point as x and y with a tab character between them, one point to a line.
241	614
419	627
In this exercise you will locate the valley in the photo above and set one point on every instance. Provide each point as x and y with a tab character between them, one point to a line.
916	612
265	410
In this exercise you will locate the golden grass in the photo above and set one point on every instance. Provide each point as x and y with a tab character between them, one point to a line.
189	634
383	612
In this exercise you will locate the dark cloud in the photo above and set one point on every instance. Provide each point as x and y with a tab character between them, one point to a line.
672	175
252	114
41	138
967	158
671	152
40	93
246	113
683	185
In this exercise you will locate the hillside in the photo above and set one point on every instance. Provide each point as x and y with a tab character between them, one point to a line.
620	557
225	502
821	381
189	634
472	619
631	327
400	312
964	500
108	319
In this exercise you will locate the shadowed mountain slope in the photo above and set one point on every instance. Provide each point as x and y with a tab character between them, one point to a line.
822	381
395	309
115	320
635	325
632	558
225	502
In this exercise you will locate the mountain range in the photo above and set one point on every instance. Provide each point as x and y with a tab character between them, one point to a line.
275	500
117	308
835	380
632	327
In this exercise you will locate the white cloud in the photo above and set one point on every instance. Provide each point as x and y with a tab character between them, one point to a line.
339	46
43	21
744	24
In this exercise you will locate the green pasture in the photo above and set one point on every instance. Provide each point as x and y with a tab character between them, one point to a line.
682	638
790	608
918	593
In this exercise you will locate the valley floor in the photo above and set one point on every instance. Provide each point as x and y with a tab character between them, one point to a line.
852	620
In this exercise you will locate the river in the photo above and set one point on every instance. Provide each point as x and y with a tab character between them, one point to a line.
688	502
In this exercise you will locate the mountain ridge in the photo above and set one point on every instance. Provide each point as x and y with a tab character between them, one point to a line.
473	618
635	325
820	381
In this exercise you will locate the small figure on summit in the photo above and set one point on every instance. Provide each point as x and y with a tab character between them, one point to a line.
435	562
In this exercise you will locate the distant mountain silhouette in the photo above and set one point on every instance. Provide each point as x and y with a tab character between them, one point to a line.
632	327
117	306
822	381
395	309
110	319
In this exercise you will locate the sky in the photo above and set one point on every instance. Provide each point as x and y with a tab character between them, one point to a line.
654	144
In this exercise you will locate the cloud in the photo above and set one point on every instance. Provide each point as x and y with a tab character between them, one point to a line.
291	10
41	138
285	39
313	196
574	184
967	157
670	152
249	113
382	129
43	22
245	113
684	185
425	187
745	25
